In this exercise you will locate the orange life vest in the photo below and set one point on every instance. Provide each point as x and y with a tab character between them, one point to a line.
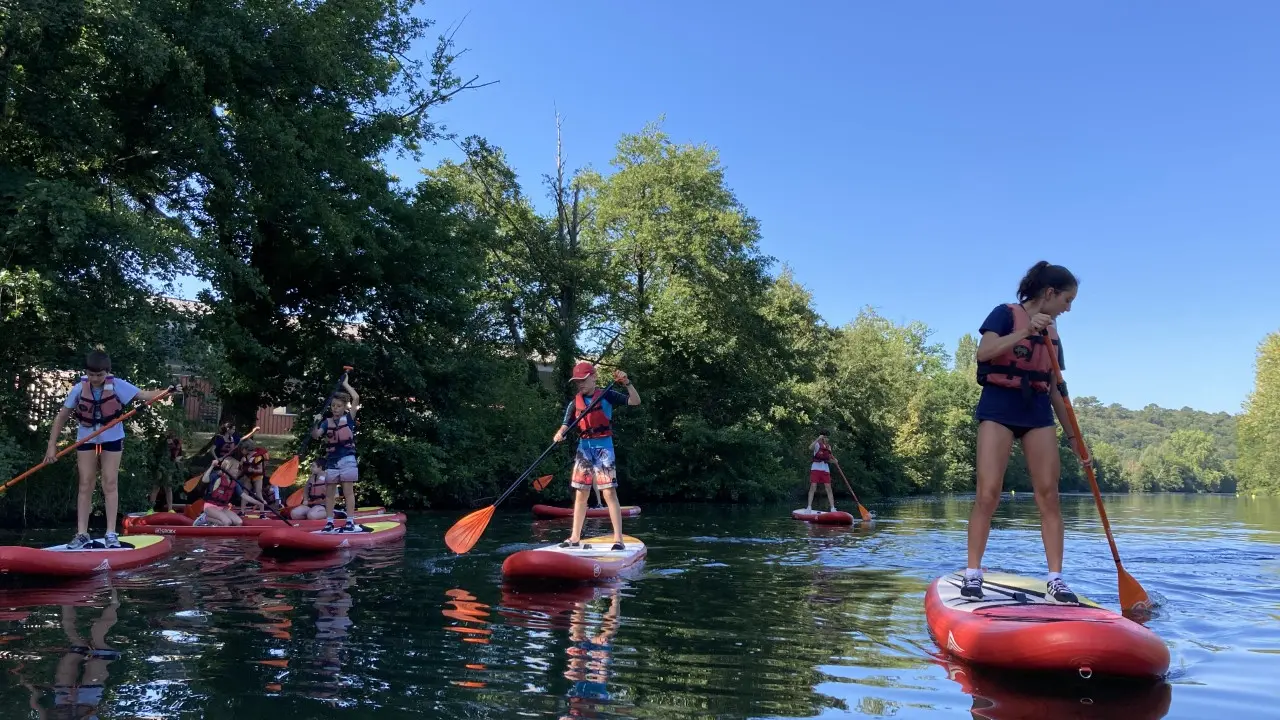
339	438
595	424
256	464
107	407
822	454
1025	366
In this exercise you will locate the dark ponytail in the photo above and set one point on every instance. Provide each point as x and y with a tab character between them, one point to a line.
1043	276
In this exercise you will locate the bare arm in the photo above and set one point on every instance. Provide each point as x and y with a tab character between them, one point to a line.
993	346
633	397
355	397
149	395
59	421
1060	410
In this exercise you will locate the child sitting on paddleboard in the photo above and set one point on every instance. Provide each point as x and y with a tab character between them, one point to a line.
337	425
95	401
313	498
1019	400
820	470
595	461
255	468
223	483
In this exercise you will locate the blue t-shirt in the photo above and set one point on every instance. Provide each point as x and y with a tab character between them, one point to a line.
125	393
611	399
222	447
1008	406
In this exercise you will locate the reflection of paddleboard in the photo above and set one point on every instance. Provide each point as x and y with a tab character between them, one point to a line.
1001	695
1013	627
59	560
580	564
551	511
838	517
290	540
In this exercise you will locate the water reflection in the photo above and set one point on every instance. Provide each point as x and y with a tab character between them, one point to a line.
1007	696
81	673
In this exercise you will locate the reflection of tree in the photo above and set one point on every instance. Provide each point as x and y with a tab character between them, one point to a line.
80	678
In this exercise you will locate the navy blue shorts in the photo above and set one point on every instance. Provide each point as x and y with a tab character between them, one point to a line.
111	446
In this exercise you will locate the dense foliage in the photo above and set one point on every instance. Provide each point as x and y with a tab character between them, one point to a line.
1258	432
243	143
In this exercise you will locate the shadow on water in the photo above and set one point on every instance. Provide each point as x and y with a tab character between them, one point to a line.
738	612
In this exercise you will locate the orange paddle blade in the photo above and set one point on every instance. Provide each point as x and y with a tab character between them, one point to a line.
287	474
193	510
1132	596
464	533
541	483
295	499
191	484
865	513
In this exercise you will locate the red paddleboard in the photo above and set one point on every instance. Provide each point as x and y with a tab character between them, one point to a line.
1015	628
290	540
551	511
162	519
580	564
58	560
837	517
250	529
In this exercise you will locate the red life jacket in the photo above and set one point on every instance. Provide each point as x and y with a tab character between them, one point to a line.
338	436
106	408
314	487
221	489
256	464
594	424
1026	365
823	454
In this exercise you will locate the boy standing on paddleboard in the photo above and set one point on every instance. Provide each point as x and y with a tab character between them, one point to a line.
1019	401
820	470
338	426
96	400
595	460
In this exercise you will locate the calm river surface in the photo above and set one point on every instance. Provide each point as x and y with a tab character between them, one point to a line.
738	613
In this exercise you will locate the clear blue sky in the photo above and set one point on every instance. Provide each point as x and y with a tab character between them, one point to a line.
918	157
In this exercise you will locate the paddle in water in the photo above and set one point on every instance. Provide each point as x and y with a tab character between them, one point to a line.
287	474
866	514
1132	596
466	532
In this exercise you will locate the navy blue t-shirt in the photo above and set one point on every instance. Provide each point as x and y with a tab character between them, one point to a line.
1007	405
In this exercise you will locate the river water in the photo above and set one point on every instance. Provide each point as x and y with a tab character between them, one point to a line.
739	612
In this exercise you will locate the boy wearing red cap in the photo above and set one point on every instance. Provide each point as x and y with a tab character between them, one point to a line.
594	462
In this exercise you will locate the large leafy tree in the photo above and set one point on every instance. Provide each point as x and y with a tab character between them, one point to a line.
1259	426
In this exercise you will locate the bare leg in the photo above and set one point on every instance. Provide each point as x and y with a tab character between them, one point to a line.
87	465
111	486
579	513
831	498
168	498
994	443
809	505
349	496
1041	449
615	512
330	499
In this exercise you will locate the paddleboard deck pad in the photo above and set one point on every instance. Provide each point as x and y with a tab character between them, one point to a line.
591	561
1015	628
551	511
289	540
836	517
95	558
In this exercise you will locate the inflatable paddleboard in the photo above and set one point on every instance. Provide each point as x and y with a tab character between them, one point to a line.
1015	628
838	517
291	540
551	511
134	551
580	564
250	529
176	518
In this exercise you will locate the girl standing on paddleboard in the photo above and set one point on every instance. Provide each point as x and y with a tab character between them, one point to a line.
1019	401
595	459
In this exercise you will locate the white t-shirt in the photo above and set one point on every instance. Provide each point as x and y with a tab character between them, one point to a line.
125	393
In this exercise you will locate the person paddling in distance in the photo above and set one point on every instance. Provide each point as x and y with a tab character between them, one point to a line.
820	470
95	401
226	439
337	424
1019	402
313	499
595	461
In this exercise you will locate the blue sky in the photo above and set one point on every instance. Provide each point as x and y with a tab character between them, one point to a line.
919	157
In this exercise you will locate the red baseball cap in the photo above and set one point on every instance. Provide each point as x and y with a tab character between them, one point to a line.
583	370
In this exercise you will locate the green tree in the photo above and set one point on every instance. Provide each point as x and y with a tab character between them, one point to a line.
1259	426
